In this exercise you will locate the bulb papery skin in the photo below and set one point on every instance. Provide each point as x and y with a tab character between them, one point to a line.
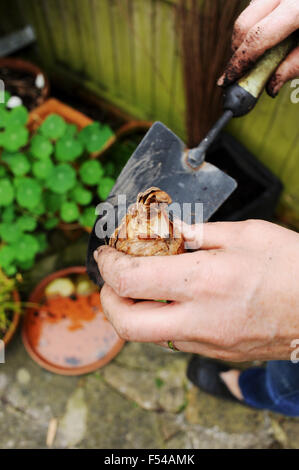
146	229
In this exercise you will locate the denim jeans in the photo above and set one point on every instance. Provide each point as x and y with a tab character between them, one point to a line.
275	387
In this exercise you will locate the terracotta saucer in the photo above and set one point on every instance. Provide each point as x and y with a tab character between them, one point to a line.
61	346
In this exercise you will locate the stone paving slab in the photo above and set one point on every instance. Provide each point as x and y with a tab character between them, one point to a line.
140	400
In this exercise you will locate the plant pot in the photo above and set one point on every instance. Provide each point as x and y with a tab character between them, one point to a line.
58	348
15	320
38	115
258	189
19	75
72	116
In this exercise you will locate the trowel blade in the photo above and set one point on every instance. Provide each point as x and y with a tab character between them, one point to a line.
159	160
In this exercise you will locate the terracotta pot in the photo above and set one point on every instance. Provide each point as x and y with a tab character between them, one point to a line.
31	69
70	115
30	343
15	320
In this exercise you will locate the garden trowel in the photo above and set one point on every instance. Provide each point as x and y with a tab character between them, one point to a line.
164	161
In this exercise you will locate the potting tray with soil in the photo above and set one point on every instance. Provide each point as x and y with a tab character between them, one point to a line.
258	189
67	332
24	80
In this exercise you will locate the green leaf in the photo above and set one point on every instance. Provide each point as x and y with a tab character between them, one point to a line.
28	193
53	201
91	172
81	195
41	147
69	212
38	210
42	242
26	223
85	133
17	117
95	136
7	95
26	248
159	382
51	223
8	214
10	270
6	156
71	130
7	192
3	117
19	164
42	168
99	139
7	256
105	186
13	138
2	171
68	149
53	127
110	169
62	179
27	264
9	233
88	217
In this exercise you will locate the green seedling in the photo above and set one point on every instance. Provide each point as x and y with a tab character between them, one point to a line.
53	127
91	172
69	212
41	147
47	178
62	179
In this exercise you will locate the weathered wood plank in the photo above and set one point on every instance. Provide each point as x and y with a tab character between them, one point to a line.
70	10
128	52
48	17
35	16
87	39
108	74
144	55
123	31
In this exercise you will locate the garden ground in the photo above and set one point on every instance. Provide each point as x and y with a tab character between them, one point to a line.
140	400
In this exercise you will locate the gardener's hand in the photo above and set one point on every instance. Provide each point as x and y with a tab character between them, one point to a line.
262	25
236	299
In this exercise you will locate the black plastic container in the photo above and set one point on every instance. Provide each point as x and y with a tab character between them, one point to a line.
258	189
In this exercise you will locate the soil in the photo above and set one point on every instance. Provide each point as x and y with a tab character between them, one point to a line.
248	189
22	84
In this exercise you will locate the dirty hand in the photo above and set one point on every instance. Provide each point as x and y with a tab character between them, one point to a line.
262	25
236	299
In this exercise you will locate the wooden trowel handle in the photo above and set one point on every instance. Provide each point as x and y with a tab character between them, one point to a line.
241	97
255	81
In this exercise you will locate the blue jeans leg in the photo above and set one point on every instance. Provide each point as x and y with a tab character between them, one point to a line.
275	387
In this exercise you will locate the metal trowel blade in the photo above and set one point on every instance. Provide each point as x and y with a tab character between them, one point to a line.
160	160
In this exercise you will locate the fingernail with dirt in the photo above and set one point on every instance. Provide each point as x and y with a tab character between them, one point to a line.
273	87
